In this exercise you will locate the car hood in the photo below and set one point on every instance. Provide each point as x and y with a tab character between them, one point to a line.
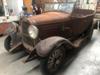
49	17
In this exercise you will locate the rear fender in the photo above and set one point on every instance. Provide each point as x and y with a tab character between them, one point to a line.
44	47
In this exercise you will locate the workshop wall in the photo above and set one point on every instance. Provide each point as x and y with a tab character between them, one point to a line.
16	5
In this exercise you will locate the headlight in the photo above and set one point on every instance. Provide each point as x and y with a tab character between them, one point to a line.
33	31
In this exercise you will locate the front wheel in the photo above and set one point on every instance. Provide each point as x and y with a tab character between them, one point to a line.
54	61
8	43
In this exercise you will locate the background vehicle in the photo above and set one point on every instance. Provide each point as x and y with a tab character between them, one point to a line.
54	36
6	17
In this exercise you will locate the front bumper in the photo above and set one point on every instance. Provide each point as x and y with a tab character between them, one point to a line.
28	47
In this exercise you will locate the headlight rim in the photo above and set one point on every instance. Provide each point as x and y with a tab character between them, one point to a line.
34	31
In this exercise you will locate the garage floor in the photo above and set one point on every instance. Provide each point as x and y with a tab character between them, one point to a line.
86	63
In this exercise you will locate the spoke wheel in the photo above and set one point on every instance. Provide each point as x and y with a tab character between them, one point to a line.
54	61
8	43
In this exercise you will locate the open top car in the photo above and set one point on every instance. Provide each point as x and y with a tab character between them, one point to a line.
55	35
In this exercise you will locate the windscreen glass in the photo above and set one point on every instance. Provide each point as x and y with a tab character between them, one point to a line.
66	7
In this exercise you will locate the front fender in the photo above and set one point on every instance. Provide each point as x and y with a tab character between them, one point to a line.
16	38
44	47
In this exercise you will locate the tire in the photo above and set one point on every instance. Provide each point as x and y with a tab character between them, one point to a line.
8	43
99	26
90	33
54	61
95	24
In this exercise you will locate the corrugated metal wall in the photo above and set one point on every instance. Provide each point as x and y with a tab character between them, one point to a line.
85	4
88	4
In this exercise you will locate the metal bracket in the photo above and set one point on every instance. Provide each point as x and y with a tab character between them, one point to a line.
31	57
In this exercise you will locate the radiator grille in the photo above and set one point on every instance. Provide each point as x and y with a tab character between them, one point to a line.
25	35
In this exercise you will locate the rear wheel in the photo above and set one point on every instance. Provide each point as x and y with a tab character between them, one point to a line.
99	26
90	34
54	61
95	24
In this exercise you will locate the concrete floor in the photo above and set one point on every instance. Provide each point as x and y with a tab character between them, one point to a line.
86	63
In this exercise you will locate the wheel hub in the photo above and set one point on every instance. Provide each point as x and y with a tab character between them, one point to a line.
55	60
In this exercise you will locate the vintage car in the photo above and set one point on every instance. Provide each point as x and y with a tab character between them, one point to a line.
53	36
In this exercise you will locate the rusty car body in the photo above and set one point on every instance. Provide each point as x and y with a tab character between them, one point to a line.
53	35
